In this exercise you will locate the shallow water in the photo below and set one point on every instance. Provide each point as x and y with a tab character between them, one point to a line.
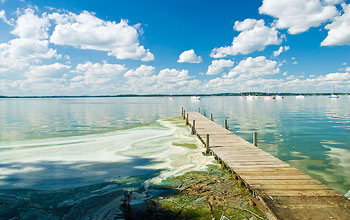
78	152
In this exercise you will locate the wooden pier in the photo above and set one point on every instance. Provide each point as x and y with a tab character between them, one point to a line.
281	190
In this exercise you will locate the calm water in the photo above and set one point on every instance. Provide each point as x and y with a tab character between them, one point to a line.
77	152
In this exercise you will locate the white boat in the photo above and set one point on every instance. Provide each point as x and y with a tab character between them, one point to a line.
300	97
195	98
249	97
333	96
279	97
269	97
171	98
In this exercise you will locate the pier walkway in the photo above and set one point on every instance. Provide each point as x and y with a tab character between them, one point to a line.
280	189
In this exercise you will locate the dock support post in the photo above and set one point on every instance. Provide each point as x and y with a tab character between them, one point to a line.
204	113
211	117
187	119
226	126
255	138
194	127
207	145
184	114
199	110
182	111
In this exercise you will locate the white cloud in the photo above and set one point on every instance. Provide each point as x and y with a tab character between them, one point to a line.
89	68
189	56
295	62
333	2
91	74
298	15
144	80
254	36
4	19
142	70
217	66
86	31
29	25
55	70
21	52
280	50
254	67
339	29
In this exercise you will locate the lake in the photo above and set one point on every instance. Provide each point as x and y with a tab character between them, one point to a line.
77	152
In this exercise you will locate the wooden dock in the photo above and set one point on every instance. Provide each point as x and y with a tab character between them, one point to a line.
280	189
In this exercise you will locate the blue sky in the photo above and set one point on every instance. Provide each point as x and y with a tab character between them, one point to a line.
118	47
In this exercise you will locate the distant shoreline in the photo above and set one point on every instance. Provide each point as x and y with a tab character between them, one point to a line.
178	95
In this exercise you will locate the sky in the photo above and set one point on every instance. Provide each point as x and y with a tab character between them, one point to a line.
115	47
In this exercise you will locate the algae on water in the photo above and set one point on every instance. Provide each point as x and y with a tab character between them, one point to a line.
199	195
186	145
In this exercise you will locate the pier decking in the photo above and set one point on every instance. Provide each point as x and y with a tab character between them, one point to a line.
282	190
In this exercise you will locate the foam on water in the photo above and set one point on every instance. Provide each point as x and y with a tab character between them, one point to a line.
77	161
88	175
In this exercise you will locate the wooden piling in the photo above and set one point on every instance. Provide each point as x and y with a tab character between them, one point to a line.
226	126
184	114
182	111
211	117
187	119
193	127
199	110
204	113
255	138
207	145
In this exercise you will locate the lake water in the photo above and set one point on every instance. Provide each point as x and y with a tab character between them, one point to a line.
83	154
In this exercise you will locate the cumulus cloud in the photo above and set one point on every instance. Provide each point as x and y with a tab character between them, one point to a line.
254	36
280	50
95	73
86	31
31	44
217	66
254	67
21	52
339	29
4	19
298	15
141	71
144	80
189	56
29	25
55	70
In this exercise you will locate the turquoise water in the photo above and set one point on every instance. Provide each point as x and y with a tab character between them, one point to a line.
82	155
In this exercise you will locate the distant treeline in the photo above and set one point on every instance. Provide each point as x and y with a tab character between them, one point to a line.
182	95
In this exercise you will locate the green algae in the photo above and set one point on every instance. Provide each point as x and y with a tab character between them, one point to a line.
190	146
207	194
174	119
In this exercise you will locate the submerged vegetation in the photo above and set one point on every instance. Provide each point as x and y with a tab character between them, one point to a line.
209	194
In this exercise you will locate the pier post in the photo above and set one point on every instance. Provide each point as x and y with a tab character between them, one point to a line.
226	126
184	114
182	111
187	119
211	117
199	110
194	127
255	138
204	113
207	145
